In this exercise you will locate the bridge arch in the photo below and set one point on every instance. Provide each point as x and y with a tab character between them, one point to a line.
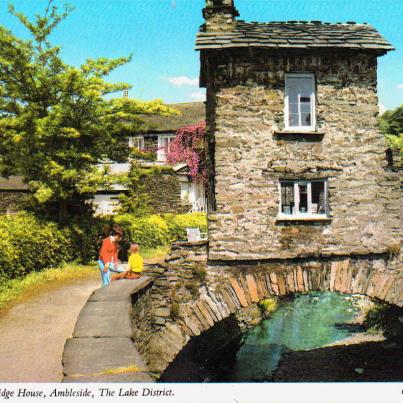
226	290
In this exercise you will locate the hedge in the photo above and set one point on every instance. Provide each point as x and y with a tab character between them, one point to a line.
159	230
28	245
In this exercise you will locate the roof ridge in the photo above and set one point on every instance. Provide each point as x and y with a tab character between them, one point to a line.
303	22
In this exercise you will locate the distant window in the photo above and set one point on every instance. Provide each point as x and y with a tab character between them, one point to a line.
303	198
164	142
300	102
136	142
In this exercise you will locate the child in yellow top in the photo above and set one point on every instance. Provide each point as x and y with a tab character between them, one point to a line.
135	265
135	260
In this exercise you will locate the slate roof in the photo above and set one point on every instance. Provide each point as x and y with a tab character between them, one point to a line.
190	113
296	34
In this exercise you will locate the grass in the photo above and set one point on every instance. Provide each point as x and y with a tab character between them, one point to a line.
19	290
155	253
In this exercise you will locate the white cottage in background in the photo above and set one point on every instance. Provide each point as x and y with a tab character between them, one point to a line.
170	195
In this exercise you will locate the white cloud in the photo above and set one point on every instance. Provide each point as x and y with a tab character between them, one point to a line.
381	108
183	80
400	86
198	96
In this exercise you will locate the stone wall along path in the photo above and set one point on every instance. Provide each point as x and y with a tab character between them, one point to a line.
101	349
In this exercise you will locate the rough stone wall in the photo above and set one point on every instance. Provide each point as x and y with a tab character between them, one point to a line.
11	201
190	296
177	281
163	191
245	93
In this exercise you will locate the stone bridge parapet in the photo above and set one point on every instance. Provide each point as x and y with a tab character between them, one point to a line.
102	349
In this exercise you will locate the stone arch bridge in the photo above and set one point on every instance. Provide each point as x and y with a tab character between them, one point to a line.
186	295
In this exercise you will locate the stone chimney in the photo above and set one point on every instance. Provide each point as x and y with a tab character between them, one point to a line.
220	15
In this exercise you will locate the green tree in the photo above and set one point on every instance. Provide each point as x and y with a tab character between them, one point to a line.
56	120
391	125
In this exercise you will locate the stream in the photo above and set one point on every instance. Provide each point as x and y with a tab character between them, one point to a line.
317	336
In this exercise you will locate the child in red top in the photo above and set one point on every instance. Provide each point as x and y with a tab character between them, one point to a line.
109	250
108	256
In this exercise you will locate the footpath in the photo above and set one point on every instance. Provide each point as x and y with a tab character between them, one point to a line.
33	333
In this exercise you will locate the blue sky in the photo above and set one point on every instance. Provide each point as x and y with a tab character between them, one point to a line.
160	34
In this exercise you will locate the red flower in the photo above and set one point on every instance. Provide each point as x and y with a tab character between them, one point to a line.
185	147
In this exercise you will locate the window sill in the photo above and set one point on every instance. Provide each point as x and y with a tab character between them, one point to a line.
282	219
299	132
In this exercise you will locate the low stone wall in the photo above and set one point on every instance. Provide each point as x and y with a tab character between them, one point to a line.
156	334
101	349
12	201
191	295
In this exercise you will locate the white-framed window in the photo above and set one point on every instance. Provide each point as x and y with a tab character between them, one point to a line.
136	142
303	198
164	142
299	102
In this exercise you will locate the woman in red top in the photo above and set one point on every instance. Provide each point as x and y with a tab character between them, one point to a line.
108	256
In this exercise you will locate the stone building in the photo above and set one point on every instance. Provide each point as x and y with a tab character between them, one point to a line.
169	190
298	167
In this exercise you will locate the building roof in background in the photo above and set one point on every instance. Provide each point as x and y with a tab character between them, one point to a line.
190	113
296	34
12	183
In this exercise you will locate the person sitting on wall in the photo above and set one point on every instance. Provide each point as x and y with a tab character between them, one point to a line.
135	265
108	256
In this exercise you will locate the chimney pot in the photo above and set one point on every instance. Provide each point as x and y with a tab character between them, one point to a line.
220	15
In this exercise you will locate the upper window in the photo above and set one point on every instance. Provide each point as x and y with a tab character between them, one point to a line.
136	142
300	102
164	142
303	199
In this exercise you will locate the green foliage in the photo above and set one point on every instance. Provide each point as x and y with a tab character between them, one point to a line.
395	141
199	272
391	125
30	285
137	200
30	244
155	253
268	306
57	121
143	155
155	230
177	223
193	287
175	310
386	318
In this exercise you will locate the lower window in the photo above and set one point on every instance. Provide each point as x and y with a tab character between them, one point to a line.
303	198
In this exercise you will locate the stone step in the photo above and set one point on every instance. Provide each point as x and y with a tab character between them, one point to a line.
95	359
119	290
104	319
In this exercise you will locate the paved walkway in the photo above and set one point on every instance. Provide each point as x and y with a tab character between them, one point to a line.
33	333
102	349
